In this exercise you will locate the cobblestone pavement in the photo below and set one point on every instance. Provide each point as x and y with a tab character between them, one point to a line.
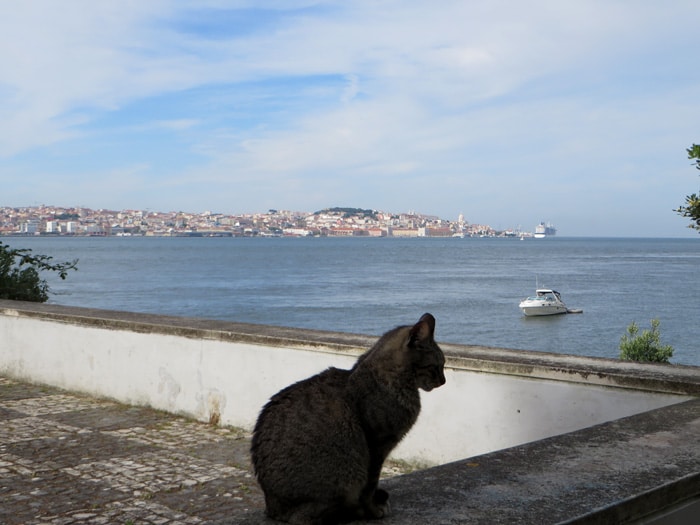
68	458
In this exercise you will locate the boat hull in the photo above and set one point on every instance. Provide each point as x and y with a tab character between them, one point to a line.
545	302
533	311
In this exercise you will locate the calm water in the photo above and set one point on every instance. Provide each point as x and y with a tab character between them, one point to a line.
472	286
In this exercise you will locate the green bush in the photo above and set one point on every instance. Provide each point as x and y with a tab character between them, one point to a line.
692	202
20	278
645	347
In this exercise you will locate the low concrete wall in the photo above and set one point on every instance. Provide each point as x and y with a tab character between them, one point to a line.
224	372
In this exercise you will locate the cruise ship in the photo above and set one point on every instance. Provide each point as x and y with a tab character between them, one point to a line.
543	230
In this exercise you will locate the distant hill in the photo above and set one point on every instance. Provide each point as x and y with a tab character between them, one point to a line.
349	212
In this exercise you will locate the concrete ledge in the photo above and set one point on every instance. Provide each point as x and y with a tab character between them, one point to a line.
617	472
667	378
671	379
191	327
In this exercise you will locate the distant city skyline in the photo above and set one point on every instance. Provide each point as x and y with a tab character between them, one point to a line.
509	113
358	222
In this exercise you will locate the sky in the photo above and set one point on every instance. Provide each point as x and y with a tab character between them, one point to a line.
508	112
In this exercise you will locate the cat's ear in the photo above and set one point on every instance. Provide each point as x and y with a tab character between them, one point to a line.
424	328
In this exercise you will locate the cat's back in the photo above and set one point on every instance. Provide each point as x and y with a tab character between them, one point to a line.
305	394
299	417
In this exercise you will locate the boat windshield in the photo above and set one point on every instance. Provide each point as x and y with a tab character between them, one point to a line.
542	297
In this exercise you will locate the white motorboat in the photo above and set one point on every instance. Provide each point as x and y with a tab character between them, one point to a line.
544	302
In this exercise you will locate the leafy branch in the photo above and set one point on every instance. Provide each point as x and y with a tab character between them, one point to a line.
20	274
691	210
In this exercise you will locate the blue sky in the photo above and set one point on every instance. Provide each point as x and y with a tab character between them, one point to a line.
575	112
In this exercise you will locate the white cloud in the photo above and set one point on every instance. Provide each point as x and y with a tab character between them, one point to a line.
476	97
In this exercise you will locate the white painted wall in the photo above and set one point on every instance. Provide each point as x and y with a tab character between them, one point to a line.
475	413
472	414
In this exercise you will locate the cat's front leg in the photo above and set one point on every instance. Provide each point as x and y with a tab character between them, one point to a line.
375	502
380	497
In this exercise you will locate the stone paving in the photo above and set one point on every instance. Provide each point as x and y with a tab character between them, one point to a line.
67	459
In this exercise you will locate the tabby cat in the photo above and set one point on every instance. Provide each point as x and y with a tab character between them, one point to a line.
319	444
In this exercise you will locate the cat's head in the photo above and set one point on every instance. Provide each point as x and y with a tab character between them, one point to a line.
427	358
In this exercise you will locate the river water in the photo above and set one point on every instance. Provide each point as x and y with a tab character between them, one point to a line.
363	285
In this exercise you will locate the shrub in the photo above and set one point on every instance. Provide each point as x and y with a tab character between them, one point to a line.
646	347
20	277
